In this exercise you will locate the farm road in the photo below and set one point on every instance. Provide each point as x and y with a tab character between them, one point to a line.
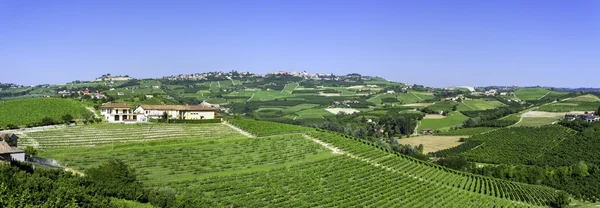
238	130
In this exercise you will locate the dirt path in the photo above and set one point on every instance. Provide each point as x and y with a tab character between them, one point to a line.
467	105
333	149
249	135
416	96
544	96
93	111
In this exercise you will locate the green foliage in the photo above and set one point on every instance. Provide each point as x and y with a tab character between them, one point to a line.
32	111
115	179
22	186
30	151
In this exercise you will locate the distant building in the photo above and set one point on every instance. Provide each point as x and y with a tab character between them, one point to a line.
585	117
426	131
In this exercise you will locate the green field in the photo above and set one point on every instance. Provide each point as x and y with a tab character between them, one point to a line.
31	111
536	121
481	104
453	119
467	131
571	105
403	98
535	93
216	164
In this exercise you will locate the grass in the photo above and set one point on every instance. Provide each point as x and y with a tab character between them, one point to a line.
536	121
570	105
453	119
312	114
585	98
481	104
289	88
467	131
31	111
535	93
404	98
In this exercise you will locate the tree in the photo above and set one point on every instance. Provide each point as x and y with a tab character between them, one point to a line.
562	200
47	121
67	118
454	108
598	111
30	151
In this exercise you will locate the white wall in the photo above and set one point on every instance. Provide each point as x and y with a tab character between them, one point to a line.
18	156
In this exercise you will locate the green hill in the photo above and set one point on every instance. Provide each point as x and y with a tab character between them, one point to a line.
31	111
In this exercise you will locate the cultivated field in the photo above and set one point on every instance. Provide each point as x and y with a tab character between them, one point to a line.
453	119
535	93
307	169
99	134
432	143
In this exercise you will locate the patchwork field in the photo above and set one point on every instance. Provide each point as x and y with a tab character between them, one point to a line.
453	119
432	143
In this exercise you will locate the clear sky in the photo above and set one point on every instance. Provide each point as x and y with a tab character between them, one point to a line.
432	42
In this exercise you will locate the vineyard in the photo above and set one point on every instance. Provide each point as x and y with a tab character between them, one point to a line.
32	111
306	169
99	134
184	159
265	128
518	145
466	131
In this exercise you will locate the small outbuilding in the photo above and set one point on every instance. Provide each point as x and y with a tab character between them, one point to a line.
8	148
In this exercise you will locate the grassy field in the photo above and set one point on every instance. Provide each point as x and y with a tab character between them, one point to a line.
570	105
30	111
453	119
403	98
481	104
535	93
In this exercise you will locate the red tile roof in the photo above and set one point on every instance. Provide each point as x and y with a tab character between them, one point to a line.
115	105
177	107
5	148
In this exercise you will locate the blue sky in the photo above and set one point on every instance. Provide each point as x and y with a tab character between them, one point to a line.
435	43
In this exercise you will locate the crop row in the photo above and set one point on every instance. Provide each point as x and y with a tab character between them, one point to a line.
91	135
335	182
531	194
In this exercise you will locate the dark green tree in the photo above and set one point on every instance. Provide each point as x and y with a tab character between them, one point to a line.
67	118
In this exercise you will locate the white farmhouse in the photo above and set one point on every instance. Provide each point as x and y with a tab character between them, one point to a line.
176	112
118	112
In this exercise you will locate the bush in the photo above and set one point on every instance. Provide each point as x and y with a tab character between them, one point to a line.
12	126
46	121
